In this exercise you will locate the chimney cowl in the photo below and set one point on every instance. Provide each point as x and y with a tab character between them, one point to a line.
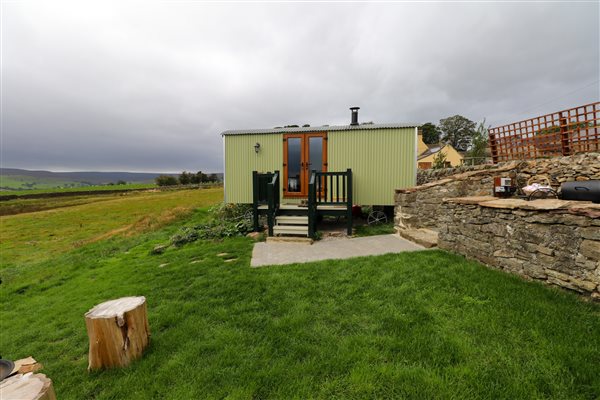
354	115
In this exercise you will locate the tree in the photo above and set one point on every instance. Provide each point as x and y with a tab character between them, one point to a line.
185	178
213	178
457	131
121	182
198	177
165	180
431	133
439	160
479	144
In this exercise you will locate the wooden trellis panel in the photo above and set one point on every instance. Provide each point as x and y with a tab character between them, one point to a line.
562	133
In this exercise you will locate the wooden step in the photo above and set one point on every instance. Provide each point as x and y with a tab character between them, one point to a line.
291	220
290	230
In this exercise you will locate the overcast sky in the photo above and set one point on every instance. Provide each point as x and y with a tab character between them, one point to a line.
149	86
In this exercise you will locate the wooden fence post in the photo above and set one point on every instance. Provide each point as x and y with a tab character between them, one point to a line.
564	136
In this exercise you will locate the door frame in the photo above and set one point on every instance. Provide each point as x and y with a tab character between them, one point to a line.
304	161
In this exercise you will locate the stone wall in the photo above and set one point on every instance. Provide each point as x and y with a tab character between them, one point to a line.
556	168
421	206
551	240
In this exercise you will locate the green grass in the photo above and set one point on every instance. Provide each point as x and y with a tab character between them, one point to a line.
52	188
371	230
28	182
418	325
41	235
20	206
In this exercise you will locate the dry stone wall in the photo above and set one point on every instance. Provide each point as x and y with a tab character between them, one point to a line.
551	240
560	169
421	206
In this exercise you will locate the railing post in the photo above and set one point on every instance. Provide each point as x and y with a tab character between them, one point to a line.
311	204
271	207
493	147
276	188
255	200
349	203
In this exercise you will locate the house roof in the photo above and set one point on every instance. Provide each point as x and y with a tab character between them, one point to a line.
327	128
432	149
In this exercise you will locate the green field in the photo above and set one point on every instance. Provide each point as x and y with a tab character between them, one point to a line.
24	182
41	235
424	325
90	188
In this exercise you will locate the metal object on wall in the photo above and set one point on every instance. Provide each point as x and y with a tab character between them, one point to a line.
503	187
581	190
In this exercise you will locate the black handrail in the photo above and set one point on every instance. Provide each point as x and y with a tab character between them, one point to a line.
328	185
312	205
273	200
265	192
324	190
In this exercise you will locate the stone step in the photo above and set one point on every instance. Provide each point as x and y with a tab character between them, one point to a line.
301	230
291	220
425	237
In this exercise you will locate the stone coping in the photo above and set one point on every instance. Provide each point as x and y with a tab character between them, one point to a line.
578	207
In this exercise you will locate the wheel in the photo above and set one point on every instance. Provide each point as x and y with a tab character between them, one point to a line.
249	215
376	217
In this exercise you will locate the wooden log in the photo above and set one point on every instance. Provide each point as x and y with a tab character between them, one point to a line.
118	332
26	365
28	386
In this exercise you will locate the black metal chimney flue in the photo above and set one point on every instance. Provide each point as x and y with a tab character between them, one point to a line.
354	111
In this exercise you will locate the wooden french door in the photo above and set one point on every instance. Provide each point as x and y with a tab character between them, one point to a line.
302	153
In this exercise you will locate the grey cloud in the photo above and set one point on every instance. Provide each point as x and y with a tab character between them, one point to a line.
111	86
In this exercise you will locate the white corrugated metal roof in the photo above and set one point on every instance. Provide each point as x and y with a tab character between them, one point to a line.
318	129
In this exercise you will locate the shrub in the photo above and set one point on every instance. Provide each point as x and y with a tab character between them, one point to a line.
185	178
165	180
225	220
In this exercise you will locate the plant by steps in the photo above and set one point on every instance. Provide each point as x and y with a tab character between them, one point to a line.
225	220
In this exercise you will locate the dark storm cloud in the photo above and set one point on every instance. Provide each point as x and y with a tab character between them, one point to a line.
149	86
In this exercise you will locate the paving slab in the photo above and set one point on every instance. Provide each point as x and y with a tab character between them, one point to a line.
274	253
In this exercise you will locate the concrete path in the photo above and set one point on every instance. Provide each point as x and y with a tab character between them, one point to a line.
328	249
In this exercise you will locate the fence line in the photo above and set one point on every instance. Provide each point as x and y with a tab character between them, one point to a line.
562	133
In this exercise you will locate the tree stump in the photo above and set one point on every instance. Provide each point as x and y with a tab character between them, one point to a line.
118	332
28	386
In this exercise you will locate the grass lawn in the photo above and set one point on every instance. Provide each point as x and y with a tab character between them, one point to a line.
52	188
414	325
41	235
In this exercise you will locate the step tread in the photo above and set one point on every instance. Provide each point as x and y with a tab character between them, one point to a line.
297	228
283	220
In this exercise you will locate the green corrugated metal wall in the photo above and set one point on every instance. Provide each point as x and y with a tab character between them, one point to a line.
381	160
241	160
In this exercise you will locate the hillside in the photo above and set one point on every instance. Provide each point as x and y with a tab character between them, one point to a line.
22	179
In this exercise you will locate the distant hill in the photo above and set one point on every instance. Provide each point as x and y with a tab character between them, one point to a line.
14	178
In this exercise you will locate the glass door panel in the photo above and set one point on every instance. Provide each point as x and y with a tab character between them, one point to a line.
294	165
315	153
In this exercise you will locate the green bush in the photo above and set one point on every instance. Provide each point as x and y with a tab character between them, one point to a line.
225	220
165	180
